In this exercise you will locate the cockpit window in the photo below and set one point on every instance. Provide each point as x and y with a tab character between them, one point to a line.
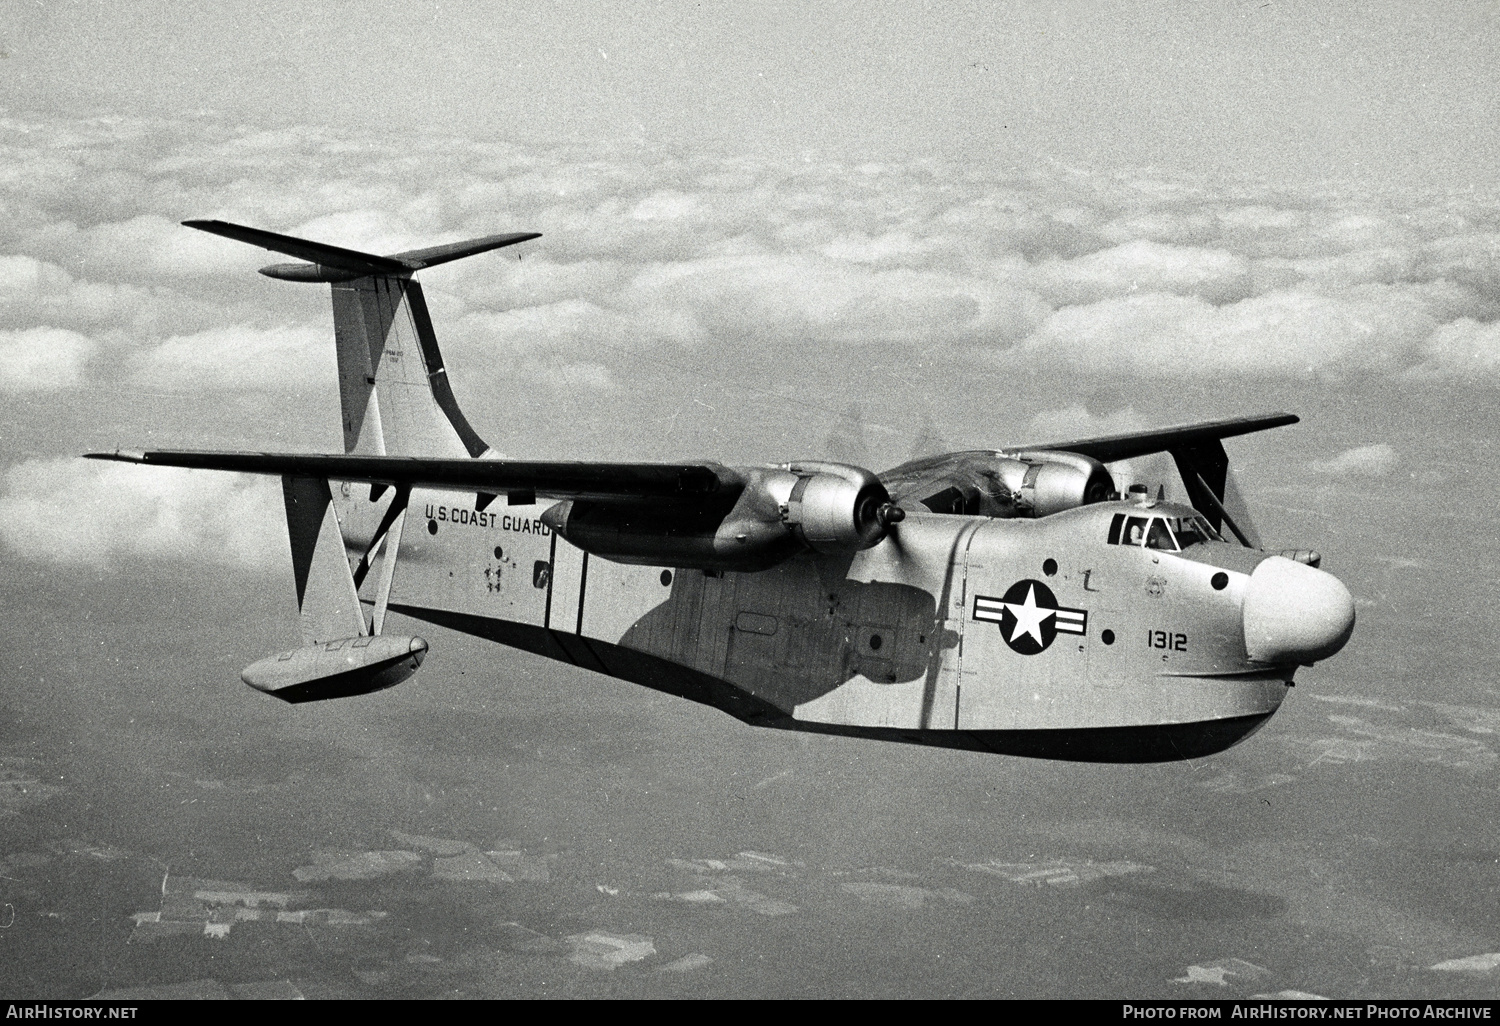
1166	534
1160	536
1192	530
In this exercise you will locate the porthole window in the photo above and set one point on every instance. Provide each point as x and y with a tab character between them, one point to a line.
1220	581
666	578
1049	567
432	527
1108	637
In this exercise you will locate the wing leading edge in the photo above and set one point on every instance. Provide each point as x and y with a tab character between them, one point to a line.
1111	448
560	480
1197	449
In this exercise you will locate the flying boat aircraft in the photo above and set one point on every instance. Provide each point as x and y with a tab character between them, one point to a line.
1011	601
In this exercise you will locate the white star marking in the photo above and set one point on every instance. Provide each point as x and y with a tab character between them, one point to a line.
1029	617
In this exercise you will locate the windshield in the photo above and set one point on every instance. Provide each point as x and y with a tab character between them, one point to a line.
1159	537
1192	530
1166	534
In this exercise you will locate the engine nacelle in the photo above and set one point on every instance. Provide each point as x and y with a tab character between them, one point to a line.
1035	483
1054	481
337	669
680	535
834	507
827	507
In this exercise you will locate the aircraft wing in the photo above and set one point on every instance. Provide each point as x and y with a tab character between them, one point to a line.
552	480
1127	446
1198	451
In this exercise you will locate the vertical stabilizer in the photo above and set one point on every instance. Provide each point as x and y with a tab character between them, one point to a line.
393	387
392	383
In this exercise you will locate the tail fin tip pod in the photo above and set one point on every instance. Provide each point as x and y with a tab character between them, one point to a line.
393	386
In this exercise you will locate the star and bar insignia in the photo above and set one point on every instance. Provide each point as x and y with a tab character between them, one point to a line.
1029	617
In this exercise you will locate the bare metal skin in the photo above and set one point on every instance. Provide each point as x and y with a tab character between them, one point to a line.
1008	601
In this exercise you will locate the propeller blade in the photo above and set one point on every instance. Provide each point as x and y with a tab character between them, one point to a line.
928	442
848	440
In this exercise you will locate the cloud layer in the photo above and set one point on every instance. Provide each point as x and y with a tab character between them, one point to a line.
1050	268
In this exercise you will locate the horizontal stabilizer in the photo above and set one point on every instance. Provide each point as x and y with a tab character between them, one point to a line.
1143	443
302	249
552	480
334	263
417	259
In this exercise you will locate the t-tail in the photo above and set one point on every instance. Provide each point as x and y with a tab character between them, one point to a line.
393	387
395	401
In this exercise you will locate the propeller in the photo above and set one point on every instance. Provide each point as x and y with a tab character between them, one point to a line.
927	441
848	441
888	516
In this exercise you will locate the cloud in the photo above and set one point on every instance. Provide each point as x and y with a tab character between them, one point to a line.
1366	461
1058	267
240	357
1283	333
1146	267
151	246
769	296
41	358
790	263
36	293
82	512
1076	421
1464	349
821	300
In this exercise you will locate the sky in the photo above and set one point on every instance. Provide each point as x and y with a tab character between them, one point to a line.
1274	90
770	232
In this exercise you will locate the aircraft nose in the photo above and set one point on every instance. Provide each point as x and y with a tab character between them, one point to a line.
1294	613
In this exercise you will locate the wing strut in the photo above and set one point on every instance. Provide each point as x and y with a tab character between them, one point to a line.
388	569
398	506
1206	495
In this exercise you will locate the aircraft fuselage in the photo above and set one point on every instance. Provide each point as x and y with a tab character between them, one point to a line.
1038	637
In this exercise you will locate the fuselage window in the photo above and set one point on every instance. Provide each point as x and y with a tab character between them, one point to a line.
1114	528
1160	536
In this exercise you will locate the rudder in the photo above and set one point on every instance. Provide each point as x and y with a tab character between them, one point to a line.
388	353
